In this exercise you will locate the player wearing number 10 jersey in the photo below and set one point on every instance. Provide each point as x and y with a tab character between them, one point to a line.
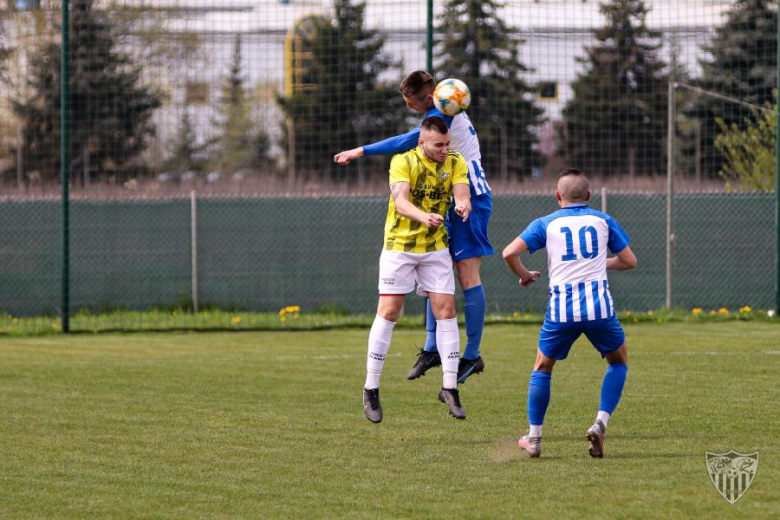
577	239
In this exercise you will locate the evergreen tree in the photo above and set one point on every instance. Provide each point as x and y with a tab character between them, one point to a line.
743	65
240	143
186	150
5	51
8	128
616	121
477	47
342	103
110	112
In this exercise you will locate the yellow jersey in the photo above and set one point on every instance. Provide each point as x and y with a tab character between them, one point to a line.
430	189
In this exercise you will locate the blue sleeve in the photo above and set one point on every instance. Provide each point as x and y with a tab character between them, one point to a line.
618	239
535	235
393	145
404	142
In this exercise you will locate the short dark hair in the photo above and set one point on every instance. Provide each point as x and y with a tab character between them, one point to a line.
575	189
435	123
418	84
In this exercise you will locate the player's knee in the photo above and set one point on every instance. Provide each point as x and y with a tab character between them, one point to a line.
444	310
468	280
389	309
544	366
468	272
445	313
391	315
619	356
543	363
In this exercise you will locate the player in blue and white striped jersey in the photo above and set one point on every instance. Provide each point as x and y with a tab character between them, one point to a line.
468	241
577	239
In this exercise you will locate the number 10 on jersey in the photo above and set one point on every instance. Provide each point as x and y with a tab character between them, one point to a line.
583	232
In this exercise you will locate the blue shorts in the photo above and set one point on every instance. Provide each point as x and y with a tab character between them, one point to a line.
470	239
556	339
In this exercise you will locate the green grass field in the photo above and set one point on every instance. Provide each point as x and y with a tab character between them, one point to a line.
270	425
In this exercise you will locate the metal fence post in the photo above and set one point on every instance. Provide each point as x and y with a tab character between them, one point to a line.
777	194
194	248
20	160
65	164
429	39
603	199
670	195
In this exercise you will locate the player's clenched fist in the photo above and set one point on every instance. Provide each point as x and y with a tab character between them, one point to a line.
347	156
528	278
434	220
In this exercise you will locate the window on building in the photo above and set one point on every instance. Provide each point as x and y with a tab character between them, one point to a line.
548	91
27	5
197	94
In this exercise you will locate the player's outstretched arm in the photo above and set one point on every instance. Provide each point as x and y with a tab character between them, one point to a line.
511	256
390	146
623	261
393	145
347	156
400	193
462	195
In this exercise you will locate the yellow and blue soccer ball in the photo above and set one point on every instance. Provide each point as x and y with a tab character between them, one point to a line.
451	96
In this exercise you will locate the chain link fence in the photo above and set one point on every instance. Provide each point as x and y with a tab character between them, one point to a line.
203	191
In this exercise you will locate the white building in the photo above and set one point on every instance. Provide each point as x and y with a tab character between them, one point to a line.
556	33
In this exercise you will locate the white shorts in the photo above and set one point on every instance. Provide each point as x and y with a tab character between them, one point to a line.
398	272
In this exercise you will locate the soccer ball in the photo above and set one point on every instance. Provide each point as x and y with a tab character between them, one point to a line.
451	96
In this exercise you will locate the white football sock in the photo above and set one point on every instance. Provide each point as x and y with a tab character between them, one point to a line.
603	417
449	380
534	430
372	379
448	343
378	345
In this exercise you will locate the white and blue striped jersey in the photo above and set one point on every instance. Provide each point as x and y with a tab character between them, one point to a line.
464	141
577	238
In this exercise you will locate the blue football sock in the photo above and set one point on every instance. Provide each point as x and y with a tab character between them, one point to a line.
430	326
538	396
474	309
612	387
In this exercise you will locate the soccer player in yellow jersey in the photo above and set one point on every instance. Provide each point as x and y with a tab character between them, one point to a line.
422	183
469	241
